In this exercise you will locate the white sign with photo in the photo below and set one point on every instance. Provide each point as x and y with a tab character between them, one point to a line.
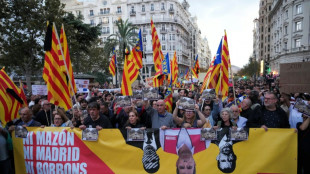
39	89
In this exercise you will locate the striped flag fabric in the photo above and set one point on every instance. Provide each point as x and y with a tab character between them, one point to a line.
168	99
157	52
65	48
214	77
137	51
186	76
22	94
206	80
112	66
57	83
196	68
9	97
174	69
224	68
130	74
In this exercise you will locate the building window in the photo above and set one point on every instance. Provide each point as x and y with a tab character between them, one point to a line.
298	26
171	6
119	9
298	9
162	6
105	2
132	8
91	12
164	47
143	8
173	47
297	43
286	14
92	22
163	37
173	37
285	46
172	29
144	38
101	11
152	7
163	27
285	29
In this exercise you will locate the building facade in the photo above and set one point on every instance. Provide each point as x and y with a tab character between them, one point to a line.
177	29
290	32
264	31
256	41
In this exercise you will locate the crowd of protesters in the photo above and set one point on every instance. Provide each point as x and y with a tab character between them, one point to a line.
261	105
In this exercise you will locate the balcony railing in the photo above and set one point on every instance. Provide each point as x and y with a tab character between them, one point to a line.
132	13
171	10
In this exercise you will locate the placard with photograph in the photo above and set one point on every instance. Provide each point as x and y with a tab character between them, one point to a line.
123	101
21	132
135	134
239	134
187	103
208	134
137	94
150	93
90	134
208	94
302	107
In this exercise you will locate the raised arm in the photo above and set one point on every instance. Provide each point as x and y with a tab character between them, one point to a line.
202	120
177	119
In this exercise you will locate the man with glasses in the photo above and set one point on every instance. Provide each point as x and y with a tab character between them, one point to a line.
25	119
239	120
272	116
45	115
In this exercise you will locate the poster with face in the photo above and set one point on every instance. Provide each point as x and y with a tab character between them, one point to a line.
208	94
150	93
21	132
122	101
239	134
137	94
208	134
90	134
135	134
187	104
301	107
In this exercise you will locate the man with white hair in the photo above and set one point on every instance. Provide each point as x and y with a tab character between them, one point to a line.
239	120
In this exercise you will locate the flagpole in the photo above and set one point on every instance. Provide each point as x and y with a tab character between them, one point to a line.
63	57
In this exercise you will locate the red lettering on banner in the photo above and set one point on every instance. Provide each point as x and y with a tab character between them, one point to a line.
60	152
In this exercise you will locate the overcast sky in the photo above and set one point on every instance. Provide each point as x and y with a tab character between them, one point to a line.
236	16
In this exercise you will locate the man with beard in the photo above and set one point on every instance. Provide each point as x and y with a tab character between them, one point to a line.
150	145
226	159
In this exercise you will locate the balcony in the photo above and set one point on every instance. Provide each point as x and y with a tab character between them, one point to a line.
171	11
132	13
162	10
163	31
104	13
105	32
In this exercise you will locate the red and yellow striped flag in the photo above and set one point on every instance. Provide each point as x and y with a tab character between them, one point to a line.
168	99
137	52
157	53
22	94
224	68
112	66
196	68
56	81
206	80
9	97
174	69
130	74
65	49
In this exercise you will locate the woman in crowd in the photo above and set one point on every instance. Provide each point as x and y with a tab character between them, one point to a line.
77	119
225	123
60	119
189	118
133	121
206	110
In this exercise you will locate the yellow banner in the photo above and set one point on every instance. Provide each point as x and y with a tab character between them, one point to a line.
62	150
